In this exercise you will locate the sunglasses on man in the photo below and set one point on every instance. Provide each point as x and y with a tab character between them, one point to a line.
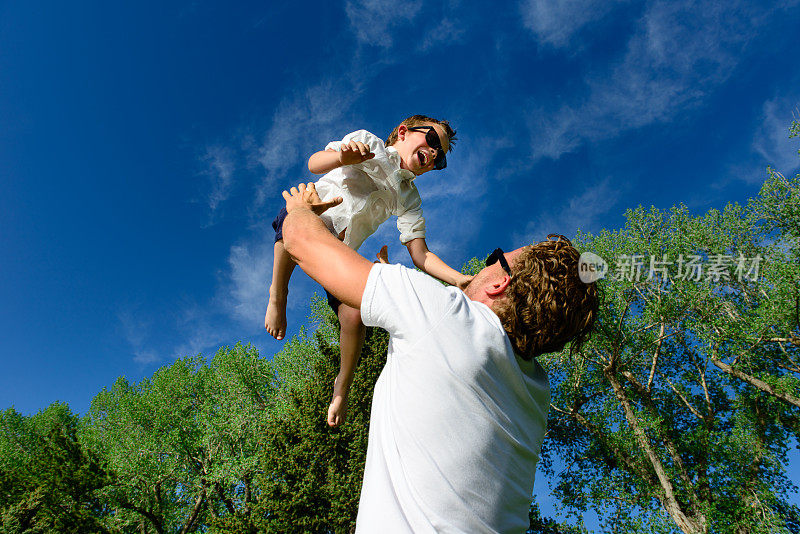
498	255
432	138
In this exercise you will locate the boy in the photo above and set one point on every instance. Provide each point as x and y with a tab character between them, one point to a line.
374	179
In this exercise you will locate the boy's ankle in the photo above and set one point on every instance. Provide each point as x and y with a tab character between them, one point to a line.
342	384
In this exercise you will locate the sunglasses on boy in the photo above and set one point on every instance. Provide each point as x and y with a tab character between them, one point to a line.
498	255
432	138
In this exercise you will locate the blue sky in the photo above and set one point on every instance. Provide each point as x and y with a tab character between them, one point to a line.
143	148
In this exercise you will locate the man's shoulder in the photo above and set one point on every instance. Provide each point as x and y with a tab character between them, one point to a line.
403	286
400	273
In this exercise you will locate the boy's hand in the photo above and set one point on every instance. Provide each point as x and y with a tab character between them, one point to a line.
464	281
383	255
305	197
354	152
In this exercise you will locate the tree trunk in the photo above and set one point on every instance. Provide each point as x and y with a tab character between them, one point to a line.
198	505
687	524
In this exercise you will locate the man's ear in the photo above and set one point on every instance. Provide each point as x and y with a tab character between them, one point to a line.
402	130
498	287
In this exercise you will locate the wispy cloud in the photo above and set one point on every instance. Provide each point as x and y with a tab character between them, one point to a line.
771	140
202	329
220	162
374	21
250	272
680	52
582	211
136	330
448	31
555	22
288	142
455	202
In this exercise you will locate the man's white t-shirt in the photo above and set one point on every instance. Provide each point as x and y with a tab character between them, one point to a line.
457	419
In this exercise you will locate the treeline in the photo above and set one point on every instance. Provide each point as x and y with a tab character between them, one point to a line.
237	443
676	417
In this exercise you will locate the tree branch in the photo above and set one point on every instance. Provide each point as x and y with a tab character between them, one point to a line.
683	399
633	465
755	382
153	518
655	357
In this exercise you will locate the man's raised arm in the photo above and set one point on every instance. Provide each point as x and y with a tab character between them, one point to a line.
338	268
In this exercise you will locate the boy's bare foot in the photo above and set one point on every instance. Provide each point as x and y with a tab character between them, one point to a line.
337	411
275	319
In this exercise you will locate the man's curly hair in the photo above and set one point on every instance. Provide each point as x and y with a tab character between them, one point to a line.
546	303
419	120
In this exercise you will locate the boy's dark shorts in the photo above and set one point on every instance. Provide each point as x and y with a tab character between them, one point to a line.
277	225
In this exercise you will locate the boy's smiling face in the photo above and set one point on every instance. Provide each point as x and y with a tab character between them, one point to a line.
415	154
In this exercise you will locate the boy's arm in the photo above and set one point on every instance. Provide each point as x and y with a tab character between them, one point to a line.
338	268
349	153
433	265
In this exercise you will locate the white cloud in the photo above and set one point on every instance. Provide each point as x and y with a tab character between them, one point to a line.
373	21
298	124
221	166
202	330
680	52
582	211
447	32
136	330
455	202
555	22
555	133
771	140
250	273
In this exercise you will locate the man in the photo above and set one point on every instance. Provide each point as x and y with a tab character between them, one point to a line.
460	409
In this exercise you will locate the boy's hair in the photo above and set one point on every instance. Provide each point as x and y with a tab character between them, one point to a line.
418	120
547	305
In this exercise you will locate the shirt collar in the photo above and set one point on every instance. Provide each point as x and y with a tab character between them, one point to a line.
402	174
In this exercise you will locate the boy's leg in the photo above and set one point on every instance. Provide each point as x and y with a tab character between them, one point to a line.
351	340
282	267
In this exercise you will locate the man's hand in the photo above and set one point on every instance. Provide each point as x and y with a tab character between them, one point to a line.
305	197
354	152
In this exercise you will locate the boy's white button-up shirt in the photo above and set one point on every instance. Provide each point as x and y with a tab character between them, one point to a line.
372	191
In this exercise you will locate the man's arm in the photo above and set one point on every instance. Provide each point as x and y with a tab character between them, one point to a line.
338	268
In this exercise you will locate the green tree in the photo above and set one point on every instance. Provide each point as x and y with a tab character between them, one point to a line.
311	474
183	443
678	413
48	482
546	525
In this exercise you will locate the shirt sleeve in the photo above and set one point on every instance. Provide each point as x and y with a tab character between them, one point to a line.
411	223
372	141
405	302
